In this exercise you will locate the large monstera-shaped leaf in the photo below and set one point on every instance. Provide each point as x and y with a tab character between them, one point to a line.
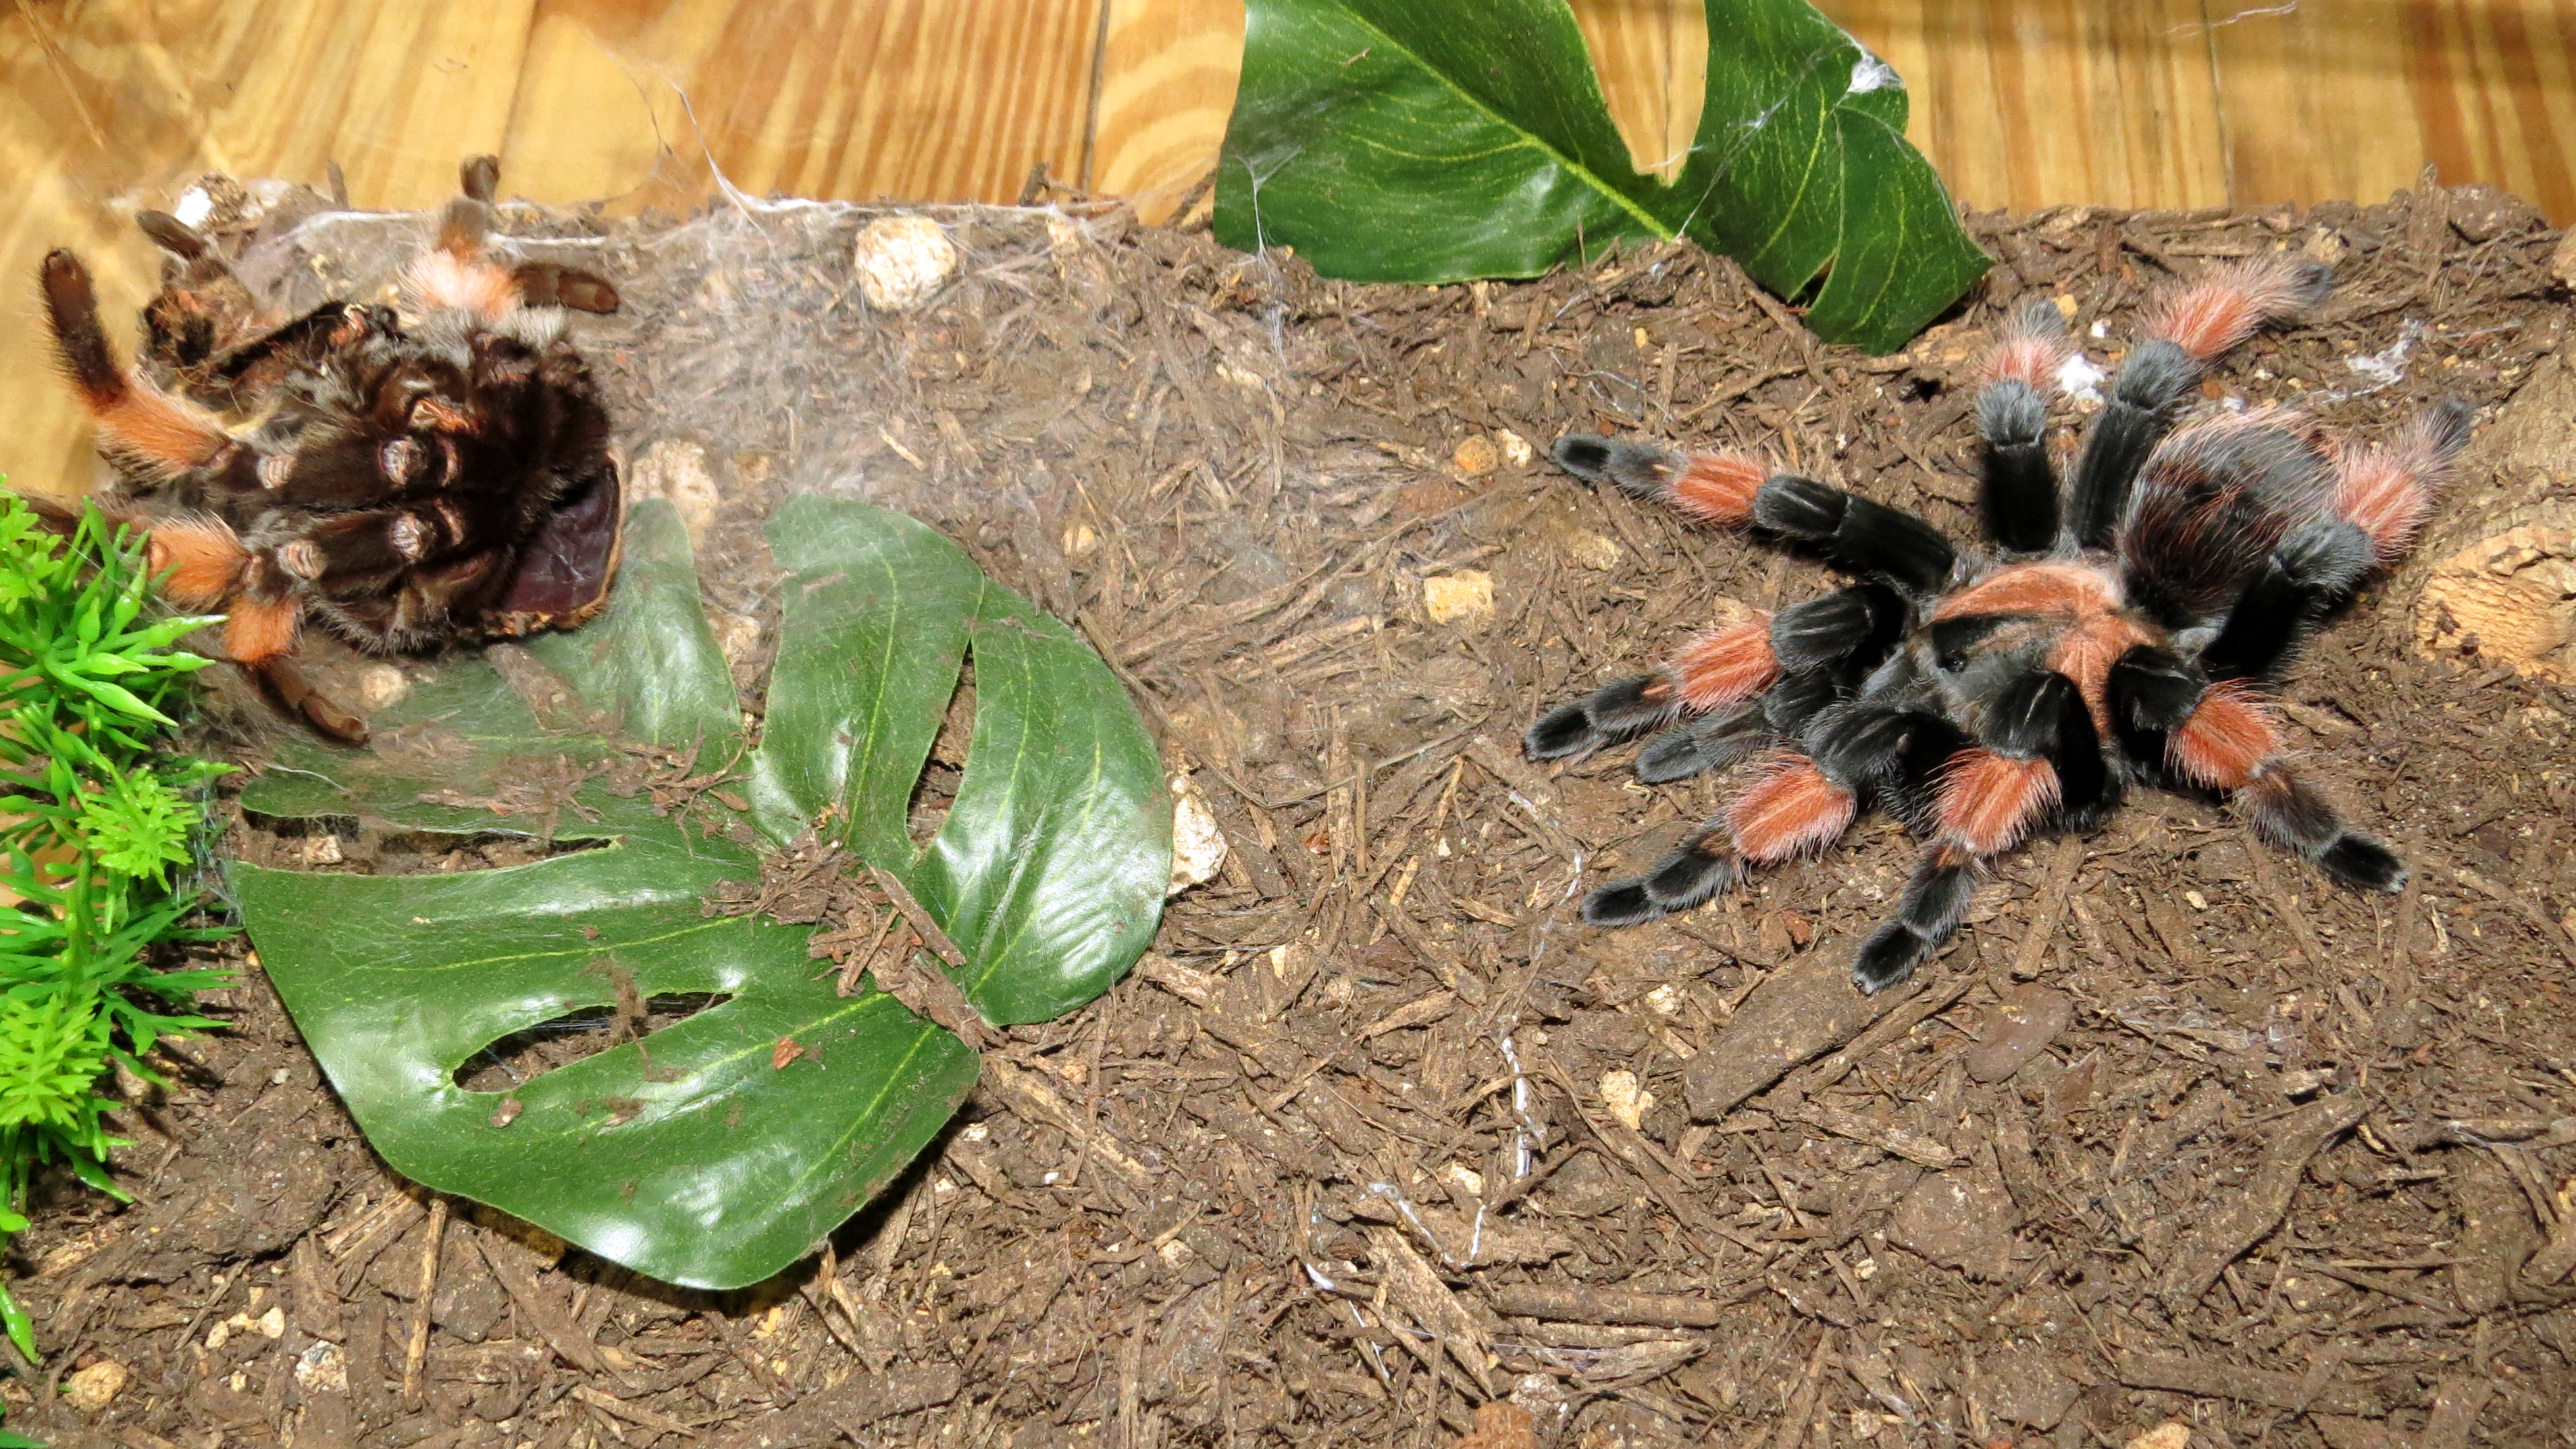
1418	141
712	1153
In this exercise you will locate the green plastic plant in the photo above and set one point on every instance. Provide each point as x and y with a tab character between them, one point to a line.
1439	140
719	1149
96	812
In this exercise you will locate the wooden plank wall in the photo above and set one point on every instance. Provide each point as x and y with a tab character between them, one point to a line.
108	105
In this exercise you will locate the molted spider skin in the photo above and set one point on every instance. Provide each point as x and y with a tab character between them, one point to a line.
2129	633
409	478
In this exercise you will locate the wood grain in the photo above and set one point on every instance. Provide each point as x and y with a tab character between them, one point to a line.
1652	57
2356	98
1167	84
925	100
2029	103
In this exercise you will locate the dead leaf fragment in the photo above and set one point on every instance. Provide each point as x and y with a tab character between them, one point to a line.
1501	1424
2027	1021
786	1051
2171	1434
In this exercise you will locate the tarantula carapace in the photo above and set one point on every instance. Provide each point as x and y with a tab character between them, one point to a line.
2133	635
408	476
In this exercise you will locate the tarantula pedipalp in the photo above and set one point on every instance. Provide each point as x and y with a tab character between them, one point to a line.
2133	634
407	476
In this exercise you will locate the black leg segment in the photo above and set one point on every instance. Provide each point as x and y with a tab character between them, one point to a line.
1703	744
1858	624
1866	538
1690	873
2315	565
2017	497
1934	900
2152	386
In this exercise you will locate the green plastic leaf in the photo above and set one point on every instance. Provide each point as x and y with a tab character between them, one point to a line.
712	1153
1399	141
1396	140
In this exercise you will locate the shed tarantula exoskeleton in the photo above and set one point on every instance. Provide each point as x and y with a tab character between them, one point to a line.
408	476
2134	635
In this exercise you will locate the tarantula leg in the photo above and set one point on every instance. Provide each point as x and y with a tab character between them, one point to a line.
2388	492
2041	755
198	559
1810	647
1792	809
2231	743
2313	565
333	324
455	272
1858	624
1708	487
1692	872
1719	668
2017	497
1732	490
2044	714
1699	745
159	433
182	241
479	178
1891	750
1936	896
2190	330
1607	715
2151	692
551	284
1866	538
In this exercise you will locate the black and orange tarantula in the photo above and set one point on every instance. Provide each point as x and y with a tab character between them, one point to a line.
2132	635
407	476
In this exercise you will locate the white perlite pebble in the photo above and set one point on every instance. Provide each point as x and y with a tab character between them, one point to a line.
902	261
1198	846
1626	1100
93	1388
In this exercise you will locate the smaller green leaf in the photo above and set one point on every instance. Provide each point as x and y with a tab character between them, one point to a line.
1390	140
1800	168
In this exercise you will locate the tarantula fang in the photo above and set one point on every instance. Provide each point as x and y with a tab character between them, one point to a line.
408	476
2132	631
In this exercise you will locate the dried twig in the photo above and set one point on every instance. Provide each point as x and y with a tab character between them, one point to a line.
1575	1304
2208	1380
416	1353
926	993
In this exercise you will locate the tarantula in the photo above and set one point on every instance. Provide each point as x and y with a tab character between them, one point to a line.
2133	635
407	476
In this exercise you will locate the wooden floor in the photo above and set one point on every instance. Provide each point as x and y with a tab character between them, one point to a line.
110	105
